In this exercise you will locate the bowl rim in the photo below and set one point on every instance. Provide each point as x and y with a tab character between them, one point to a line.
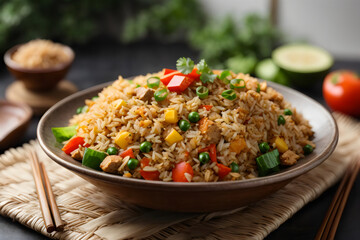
10	63
193	186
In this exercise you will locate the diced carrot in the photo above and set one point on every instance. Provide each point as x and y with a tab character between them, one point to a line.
167	71
150	175
237	145
223	170
178	172
73	144
204	124
207	107
128	152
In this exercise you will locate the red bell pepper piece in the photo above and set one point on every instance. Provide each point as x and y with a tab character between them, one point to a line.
207	107
223	170
211	149
148	175
126	153
167	78
194	74
179	83
178	172
167	71
73	144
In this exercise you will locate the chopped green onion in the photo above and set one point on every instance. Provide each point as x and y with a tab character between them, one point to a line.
237	83
194	117
268	163
153	82
234	167
229	94
94	98
281	120
93	158
258	88
202	92
79	110
63	133
264	147
160	95
287	111
138	85
132	163
308	149
224	76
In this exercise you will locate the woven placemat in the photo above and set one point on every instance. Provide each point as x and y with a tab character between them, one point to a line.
90	214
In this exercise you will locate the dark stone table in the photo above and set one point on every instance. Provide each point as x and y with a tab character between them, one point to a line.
99	62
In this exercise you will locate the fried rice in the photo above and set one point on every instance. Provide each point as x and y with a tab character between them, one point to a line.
252	118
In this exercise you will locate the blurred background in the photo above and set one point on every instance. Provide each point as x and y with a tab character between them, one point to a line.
132	37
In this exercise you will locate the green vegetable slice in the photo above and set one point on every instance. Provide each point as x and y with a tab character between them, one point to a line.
202	92
93	158
237	83
63	133
268	163
160	95
224	76
153	82
229	94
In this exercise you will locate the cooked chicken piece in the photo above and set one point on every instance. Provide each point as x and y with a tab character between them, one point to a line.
289	158
111	163
144	94
76	154
212	133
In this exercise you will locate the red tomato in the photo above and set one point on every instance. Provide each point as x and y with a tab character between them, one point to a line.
126	153
179	83
153	175
223	170
178	172
341	90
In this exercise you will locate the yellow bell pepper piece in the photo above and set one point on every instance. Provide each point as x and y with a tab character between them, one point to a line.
171	116
128	175
281	145
123	139
173	137
117	104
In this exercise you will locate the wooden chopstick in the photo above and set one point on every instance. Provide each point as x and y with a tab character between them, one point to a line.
331	221
49	209
59	223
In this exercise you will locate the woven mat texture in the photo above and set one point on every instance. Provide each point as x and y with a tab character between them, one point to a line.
90	214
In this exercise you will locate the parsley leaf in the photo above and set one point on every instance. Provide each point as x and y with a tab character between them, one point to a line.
208	77
185	65
207	74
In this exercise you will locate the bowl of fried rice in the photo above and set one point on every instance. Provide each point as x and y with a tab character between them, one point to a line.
189	140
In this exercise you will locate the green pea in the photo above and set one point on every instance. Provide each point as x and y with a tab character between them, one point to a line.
264	147
281	120
308	149
287	111
132	163
145	147
79	110
112	151
184	125
204	157
234	167
194	117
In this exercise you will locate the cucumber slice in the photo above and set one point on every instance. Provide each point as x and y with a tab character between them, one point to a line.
267	70
93	158
303	64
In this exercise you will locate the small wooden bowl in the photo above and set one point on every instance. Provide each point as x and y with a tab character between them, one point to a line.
14	120
38	79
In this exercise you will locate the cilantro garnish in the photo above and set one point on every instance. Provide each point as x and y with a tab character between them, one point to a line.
185	65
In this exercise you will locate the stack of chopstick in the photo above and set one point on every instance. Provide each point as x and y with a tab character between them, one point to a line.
46	196
331	221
